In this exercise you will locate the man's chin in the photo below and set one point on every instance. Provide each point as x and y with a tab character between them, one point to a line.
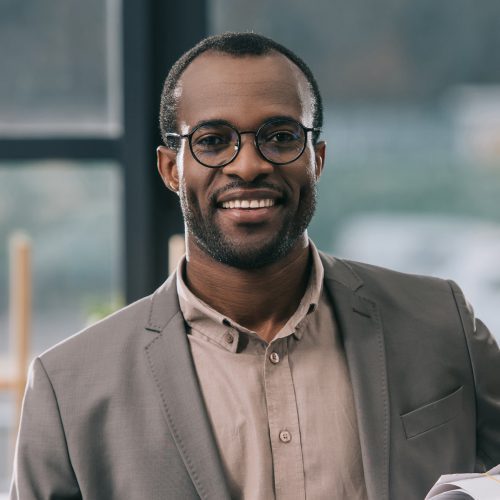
244	255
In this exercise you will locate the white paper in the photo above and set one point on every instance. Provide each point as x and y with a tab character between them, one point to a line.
477	486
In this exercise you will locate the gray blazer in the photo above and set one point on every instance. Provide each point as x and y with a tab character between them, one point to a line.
115	412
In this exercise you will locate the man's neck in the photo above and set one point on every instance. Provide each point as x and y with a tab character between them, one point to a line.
261	300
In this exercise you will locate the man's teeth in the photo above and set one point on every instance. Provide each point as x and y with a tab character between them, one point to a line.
248	204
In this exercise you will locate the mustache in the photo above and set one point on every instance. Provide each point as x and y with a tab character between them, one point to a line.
240	184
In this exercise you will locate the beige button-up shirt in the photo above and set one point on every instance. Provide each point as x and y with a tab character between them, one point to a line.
282	412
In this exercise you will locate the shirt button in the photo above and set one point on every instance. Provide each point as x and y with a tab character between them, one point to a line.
274	357
285	437
228	338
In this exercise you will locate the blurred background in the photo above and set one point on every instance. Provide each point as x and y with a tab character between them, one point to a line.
412	121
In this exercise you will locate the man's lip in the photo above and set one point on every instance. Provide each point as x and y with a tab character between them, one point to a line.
249	194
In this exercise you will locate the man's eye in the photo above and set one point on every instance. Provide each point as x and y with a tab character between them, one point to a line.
211	142
281	137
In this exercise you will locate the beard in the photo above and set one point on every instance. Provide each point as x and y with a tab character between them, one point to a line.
214	242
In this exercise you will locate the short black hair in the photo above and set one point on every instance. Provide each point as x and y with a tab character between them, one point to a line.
239	45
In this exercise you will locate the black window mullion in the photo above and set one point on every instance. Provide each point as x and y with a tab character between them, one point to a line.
57	148
156	33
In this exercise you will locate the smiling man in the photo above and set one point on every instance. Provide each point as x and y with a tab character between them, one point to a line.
262	368
246	176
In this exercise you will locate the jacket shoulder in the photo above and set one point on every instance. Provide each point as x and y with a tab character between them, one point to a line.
125	325
114	331
381	279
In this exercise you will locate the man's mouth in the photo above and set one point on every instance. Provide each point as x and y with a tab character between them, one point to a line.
257	199
249	204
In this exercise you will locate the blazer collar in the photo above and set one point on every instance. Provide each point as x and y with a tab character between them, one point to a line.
174	375
361	329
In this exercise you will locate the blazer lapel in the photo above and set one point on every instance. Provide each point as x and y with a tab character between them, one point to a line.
174	374
361	329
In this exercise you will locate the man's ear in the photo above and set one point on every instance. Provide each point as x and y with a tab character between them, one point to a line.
319	155
167	167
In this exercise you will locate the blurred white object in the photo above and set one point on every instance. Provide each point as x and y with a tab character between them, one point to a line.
465	250
476	115
467	486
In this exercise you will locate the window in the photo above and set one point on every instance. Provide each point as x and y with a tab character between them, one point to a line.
60	172
60	68
79	99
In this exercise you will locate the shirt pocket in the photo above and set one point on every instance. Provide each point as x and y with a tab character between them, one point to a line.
433	414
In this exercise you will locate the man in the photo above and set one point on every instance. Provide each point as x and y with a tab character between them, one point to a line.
262	368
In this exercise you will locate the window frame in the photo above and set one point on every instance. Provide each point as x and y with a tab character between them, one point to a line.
154	33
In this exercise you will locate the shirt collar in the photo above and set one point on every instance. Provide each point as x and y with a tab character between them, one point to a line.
224	331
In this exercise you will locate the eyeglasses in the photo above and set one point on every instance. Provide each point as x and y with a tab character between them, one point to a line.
215	144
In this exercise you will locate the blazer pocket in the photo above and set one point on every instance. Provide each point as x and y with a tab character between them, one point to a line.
432	414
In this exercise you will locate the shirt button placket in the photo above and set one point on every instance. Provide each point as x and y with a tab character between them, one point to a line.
286	448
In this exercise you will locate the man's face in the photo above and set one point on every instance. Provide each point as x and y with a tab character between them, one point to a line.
244	91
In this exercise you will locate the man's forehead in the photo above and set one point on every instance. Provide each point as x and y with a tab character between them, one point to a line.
226	83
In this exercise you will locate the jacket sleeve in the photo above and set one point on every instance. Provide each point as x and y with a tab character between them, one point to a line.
42	467
485	360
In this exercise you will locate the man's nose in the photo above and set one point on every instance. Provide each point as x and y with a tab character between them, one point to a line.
248	164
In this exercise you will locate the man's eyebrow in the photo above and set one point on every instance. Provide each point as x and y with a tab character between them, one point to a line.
221	121
280	117
215	121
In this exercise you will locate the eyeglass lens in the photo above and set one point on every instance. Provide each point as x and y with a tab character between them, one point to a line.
279	141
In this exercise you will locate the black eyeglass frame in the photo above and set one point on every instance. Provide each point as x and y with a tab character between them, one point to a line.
238	144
